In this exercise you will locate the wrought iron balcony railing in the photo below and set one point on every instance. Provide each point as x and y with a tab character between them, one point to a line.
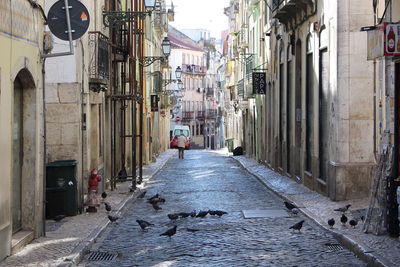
211	113
99	58
188	115
195	69
200	115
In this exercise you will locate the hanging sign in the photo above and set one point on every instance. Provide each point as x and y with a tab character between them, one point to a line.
384	40
79	19
154	103
259	83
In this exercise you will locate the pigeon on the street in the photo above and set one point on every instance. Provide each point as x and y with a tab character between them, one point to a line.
173	216
295	211
183	214
202	214
143	224
297	226
219	212
142	194
343	209
343	219
211	212
156	207
59	218
331	222
113	218
154	197
108	206
104	195
170	232
353	222
289	205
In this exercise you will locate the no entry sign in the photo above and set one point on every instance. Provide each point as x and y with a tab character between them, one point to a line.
57	19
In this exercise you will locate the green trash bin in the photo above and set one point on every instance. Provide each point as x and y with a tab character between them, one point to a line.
61	188
229	144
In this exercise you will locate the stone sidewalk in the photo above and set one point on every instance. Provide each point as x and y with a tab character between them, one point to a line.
67	241
375	250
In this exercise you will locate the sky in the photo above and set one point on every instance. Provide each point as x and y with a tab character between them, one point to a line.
201	14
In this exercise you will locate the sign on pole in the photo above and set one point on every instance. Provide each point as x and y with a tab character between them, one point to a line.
79	18
259	83
154	103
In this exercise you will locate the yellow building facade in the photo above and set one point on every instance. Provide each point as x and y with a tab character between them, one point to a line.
21	135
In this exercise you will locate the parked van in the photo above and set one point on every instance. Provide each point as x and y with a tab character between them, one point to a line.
178	130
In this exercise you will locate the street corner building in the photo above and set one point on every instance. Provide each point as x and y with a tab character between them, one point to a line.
21	120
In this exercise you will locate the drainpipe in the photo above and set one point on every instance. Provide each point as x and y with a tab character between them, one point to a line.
44	144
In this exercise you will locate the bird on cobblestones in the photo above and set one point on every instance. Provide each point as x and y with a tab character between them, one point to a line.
211	212
170	232
343	209
156	200
104	195
142	194
143	224
156	207
353	222
289	205
173	216
297	226
202	214
343	219
59	218
183	214
295	211
193	214
331	222
220	212
108	206
154	197
113	218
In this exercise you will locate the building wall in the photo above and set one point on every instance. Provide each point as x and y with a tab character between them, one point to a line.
21	33
72	109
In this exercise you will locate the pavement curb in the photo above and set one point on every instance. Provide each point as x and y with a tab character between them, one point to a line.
84	247
362	252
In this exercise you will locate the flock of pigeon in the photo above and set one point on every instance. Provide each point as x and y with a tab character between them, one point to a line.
156	201
343	219
331	222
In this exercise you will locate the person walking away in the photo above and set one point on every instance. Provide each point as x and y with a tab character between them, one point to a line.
181	145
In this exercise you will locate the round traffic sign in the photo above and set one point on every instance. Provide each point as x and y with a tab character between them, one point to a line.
177	118
79	17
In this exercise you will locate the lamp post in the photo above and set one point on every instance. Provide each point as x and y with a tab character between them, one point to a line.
178	75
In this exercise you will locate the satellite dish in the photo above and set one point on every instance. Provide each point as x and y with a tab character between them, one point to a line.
79	17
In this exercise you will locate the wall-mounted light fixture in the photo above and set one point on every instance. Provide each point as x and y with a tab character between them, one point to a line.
114	19
166	49
178	75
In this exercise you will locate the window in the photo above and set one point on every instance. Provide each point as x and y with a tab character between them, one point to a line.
281	100
309	104
289	104
183	59
323	104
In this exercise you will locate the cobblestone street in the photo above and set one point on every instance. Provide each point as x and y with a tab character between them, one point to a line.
210	181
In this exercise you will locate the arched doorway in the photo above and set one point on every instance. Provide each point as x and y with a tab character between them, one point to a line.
24	152
17	155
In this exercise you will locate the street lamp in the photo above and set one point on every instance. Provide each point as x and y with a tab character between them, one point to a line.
115	19
150	5
166	46
180	85
178	75
166	49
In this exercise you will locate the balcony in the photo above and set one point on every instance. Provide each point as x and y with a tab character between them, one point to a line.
188	115
193	69
286	10
200	115
211	113
98	64
210	92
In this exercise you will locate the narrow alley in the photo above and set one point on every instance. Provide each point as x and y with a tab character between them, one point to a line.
207	180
